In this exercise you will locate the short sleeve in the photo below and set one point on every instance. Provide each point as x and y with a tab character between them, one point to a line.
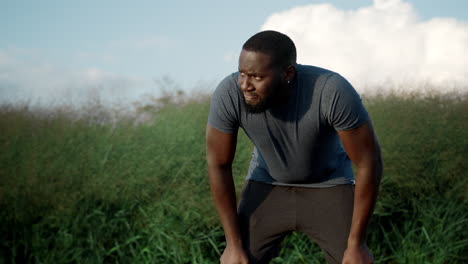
224	107
341	105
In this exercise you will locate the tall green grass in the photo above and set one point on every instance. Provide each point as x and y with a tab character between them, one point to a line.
83	190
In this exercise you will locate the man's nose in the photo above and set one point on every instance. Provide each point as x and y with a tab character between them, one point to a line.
245	83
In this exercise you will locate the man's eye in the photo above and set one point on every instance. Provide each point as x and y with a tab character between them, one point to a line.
258	78
242	74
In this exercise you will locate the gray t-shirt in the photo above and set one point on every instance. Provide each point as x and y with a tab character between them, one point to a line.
296	144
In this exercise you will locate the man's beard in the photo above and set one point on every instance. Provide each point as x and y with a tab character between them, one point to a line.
264	103
261	106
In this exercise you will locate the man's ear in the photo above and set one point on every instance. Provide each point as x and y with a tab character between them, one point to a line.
290	73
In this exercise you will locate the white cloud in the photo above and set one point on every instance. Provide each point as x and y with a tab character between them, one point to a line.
44	83
374	45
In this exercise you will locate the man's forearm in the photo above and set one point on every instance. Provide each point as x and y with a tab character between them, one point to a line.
365	196
224	196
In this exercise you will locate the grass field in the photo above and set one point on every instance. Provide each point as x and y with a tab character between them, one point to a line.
92	189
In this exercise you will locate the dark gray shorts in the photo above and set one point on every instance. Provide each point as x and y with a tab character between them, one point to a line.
267	213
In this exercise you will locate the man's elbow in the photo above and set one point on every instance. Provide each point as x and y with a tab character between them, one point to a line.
222	166
377	164
371	165
214	164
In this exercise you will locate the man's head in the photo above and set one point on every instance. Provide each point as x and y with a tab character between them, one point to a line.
279	46
266	67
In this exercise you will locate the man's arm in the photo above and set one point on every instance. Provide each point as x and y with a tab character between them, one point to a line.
220	152
363	149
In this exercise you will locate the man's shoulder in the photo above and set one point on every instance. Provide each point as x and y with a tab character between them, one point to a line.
227	94
225	105
228	85
313	76
313	70
230	79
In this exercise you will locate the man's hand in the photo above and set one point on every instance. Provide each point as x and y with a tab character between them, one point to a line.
359	254
234	255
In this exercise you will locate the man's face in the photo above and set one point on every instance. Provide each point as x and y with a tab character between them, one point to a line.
259	80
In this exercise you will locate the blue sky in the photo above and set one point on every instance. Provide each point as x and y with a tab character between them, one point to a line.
135	42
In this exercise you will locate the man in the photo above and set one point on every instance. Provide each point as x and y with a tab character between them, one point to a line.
307	124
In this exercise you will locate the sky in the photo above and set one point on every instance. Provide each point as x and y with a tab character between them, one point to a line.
54	51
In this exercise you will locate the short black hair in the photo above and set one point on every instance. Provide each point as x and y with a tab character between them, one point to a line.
279	46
